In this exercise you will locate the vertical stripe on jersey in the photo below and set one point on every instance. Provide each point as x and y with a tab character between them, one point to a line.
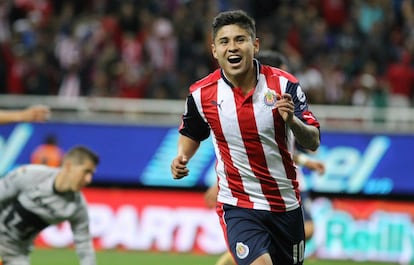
248	122
284	139
211	113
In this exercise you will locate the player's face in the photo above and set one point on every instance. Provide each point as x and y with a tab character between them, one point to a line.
234	50
81	174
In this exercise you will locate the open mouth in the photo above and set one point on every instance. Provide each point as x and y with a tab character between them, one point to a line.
234	59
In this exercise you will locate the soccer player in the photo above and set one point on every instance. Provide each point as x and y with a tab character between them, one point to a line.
302	160
254	113
33	197
37	113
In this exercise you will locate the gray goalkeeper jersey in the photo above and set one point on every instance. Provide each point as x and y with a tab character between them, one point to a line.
29	203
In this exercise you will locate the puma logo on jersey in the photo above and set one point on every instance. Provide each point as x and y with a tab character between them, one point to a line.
215	103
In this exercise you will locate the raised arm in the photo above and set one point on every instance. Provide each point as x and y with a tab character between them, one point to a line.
307	135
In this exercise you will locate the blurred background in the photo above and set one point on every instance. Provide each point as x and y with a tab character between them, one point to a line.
116	74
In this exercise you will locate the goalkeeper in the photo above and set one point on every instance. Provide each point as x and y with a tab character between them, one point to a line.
33	197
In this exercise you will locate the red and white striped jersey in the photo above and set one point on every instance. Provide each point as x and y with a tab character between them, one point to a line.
253	145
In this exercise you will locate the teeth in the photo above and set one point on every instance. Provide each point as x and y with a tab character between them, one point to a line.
234	59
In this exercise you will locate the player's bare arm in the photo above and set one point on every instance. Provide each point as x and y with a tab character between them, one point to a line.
306	135
210	196
37	113
314	165
186	149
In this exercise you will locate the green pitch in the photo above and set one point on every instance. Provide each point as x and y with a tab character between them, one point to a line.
68	257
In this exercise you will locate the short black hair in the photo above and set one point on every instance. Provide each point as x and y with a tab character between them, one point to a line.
238	17
272	58
80	154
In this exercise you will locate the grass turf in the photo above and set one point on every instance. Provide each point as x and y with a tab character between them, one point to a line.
68	257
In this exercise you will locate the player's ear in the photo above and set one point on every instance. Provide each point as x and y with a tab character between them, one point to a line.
66	165
256	45
213	50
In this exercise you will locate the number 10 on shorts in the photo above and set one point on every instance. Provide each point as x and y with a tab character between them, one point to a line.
298	252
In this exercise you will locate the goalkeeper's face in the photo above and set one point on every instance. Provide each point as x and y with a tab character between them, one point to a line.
80	174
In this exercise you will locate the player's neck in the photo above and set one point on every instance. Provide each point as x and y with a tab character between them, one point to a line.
245	82
61	184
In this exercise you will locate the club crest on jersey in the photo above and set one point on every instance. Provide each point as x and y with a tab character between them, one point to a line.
269	98
242	250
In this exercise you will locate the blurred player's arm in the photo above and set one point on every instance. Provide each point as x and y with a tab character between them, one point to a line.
314	165
82	237
37	113
210	196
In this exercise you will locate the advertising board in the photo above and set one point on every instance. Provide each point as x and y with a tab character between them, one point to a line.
178	221
133	155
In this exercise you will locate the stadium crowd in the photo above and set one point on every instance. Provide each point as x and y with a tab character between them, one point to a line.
343	52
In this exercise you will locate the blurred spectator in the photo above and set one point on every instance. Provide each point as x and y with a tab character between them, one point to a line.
5	33
3	70
134	71
128	17
161	44
362	94
42	77
101	85
348	39
149	49
400	77
67	49
48	153
335	13
369	13
18	67
334	83
312	83
364	84
70	87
